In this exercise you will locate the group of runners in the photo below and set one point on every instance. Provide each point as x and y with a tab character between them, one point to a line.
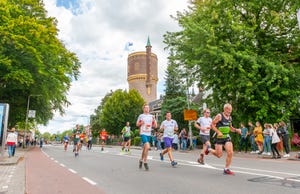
221	125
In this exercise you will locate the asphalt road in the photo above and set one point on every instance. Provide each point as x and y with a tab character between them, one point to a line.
113	172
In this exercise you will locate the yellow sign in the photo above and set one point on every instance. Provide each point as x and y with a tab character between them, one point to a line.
190	115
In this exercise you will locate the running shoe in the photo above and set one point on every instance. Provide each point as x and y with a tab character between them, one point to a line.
102	149
173	163
207	150
140	164
76	154
200	161
161	156
146	166
228	172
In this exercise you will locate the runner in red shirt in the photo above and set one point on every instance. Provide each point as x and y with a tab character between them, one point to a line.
103	137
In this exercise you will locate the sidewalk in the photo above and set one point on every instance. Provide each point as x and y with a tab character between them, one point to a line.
12	172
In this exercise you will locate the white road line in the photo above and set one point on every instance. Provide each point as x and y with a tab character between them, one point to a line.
89	181
62	165
73	171
55	161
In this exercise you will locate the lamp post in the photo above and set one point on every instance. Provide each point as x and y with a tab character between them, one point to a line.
27	113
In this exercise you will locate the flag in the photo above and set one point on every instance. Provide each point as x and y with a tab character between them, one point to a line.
127	46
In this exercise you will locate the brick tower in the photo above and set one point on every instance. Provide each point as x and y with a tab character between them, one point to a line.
142	73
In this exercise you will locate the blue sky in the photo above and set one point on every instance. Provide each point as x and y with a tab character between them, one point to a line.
98	31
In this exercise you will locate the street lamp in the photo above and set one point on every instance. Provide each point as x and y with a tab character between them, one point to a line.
27	113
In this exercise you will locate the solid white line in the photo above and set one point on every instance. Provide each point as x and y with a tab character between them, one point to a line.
73	171
89	181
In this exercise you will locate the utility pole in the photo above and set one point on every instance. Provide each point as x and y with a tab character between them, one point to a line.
27	113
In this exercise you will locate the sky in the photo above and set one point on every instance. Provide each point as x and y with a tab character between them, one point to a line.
99	33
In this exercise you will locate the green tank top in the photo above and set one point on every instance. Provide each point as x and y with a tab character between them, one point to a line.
224	126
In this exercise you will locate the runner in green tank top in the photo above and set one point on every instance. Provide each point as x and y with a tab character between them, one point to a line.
222	125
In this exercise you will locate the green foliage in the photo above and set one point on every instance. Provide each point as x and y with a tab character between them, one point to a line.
137	141
243	52
33	61
120	107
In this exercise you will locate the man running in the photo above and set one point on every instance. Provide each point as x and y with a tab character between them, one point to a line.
66	141
103	137
145	122
126	132
76	135
222	125
169	126
204	126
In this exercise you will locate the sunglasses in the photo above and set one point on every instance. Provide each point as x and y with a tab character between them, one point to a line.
207	112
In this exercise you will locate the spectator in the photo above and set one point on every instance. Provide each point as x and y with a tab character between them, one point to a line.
175	141
183	136
259	139
267	139
284	133
254	148
244	138
275	140
11	141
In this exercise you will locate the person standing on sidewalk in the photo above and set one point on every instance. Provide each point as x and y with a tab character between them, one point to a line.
244	138
284	133
275	140
11	141
254	148
222	125
126	133
204	125
145	122
183	137
259	138
169	126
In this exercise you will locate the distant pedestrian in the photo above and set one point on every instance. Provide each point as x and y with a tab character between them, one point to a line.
11	142
203	124
279	144
146	122
169	126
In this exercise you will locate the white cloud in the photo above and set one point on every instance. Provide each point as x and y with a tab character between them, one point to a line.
98	34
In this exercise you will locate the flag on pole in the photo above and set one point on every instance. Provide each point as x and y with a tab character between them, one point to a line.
127	46
298	17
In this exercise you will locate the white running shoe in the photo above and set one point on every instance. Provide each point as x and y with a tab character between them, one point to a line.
269	154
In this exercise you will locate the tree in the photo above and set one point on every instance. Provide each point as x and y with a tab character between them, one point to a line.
121	107
33	61
243	52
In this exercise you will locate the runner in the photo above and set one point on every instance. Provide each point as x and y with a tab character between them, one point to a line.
204	126
222	125
76	135
126	133
169	126
103	137
82	137
145	122
66	141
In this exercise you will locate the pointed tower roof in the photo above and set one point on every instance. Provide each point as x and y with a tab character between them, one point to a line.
148	42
